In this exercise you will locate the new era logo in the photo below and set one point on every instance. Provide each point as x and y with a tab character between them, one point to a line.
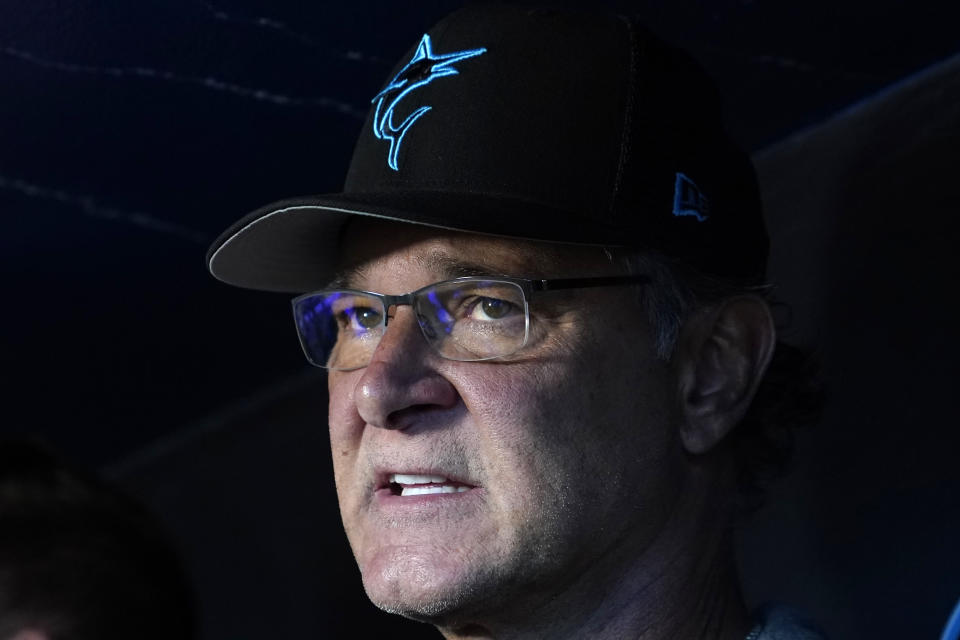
688	200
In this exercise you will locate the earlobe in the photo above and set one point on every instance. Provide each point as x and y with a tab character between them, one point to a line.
723	355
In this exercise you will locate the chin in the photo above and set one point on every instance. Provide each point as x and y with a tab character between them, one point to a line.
428	589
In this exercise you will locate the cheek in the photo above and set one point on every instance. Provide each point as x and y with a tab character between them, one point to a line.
574	428
345	424
526	420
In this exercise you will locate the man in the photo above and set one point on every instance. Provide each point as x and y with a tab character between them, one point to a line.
539	299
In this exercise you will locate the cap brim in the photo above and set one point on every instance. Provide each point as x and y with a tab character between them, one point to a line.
292	245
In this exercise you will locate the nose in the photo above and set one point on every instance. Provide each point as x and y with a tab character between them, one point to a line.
402	384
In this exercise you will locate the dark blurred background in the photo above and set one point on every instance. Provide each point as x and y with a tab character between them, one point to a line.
131	134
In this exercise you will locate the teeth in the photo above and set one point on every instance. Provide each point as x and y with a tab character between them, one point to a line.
409	478
420	491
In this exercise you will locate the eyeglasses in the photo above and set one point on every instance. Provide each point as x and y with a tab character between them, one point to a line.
466	319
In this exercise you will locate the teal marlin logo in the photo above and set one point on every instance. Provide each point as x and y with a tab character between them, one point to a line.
424	67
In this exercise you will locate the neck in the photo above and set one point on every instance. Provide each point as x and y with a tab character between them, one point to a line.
683	585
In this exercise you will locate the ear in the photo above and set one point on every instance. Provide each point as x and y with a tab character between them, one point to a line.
723	355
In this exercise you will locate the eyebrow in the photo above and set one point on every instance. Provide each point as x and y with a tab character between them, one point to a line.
343	277
448	268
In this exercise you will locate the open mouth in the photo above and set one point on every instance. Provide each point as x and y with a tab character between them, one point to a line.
408	484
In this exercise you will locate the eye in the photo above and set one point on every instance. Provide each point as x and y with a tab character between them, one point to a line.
360	318
491	309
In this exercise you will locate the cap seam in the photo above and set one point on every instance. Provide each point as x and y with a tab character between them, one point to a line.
628	116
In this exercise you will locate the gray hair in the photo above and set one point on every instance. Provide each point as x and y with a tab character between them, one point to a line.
675	291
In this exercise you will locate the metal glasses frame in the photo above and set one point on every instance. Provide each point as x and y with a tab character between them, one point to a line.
527	286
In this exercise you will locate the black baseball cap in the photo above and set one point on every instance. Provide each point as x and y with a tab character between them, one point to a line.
544	124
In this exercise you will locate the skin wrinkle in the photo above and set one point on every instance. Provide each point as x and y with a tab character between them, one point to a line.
434	260
646	590
574	478
606	552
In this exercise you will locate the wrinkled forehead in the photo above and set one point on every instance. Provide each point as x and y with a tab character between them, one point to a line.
368	246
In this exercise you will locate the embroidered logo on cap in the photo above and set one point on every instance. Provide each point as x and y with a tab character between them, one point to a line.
688	200
424	67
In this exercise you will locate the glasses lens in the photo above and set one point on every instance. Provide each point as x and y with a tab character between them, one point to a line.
339	329
473	319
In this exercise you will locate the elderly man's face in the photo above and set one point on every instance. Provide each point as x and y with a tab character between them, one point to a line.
560	460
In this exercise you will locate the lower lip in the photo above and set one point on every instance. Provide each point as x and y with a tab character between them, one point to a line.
387	498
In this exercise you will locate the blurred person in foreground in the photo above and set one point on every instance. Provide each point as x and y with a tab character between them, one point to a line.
541	299
81	561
